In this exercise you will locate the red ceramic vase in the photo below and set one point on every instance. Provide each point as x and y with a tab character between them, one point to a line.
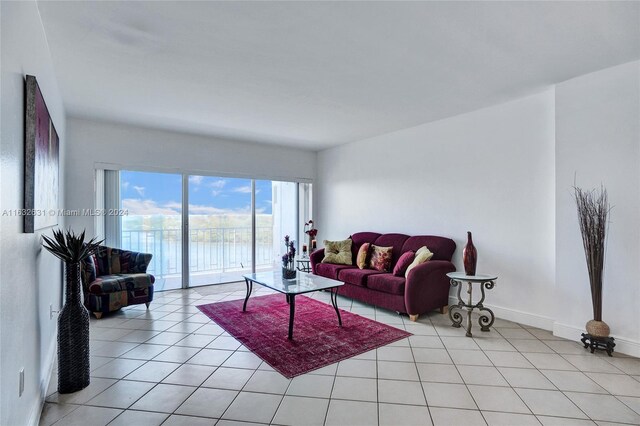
469	256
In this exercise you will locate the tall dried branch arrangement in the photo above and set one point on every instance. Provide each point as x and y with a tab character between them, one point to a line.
593	208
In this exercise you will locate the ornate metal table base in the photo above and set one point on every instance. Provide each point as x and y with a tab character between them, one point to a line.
606	343
455	311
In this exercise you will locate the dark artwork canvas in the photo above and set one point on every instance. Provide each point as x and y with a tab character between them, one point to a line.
40	162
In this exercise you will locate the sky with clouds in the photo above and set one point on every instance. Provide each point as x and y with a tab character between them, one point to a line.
145	193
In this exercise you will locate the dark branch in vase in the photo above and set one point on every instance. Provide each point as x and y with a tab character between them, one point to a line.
593	209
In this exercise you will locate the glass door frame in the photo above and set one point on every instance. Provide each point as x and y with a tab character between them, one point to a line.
186	233
110	195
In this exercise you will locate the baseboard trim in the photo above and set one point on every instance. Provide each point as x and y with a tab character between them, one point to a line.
38	405
623	345
514	315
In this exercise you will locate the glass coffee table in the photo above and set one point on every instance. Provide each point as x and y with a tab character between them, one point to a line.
303	283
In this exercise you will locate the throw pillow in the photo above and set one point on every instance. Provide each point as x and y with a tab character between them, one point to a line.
380	258
422	255
403	263
338	252
363	254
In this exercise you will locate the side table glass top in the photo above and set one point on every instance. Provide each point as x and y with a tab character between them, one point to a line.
461	276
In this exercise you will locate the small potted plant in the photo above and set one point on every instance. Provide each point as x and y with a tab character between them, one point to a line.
288	268
73	320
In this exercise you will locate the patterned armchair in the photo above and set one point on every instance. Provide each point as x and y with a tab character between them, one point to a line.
113	278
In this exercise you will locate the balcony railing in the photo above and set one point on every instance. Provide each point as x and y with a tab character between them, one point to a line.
211	250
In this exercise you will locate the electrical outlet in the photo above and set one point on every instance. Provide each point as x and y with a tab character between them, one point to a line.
21	390
51	311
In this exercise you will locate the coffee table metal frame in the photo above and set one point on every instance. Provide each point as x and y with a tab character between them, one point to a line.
303	283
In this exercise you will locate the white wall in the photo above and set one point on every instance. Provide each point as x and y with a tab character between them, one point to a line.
598	142
130	147
490	172
30	278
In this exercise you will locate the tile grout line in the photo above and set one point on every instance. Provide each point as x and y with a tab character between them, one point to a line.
458	370
183	309
424	394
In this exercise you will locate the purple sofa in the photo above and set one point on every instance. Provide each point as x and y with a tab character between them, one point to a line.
425	289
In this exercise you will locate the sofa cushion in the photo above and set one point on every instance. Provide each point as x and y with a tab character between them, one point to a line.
360	238
120	282
422	255
441	247
392	240
380	259
330	270
386	283
338	252
356	276
363	255
403	263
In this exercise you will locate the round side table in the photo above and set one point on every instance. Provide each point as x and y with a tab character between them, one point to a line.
455	311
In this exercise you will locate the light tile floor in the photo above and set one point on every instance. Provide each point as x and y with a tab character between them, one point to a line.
171	365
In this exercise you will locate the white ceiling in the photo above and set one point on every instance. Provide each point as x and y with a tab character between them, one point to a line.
318	74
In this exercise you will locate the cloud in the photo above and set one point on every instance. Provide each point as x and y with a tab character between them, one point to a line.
207	210
220	183
217	186
243	189
139	190
196	180
125	185
138	207
175	205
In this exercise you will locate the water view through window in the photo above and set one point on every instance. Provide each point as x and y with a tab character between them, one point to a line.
219	225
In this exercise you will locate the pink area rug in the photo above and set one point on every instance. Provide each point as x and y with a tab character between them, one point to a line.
317	339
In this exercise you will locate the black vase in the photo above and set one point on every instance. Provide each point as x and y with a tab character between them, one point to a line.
73	336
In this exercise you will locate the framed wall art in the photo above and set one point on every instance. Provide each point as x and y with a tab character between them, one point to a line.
41	161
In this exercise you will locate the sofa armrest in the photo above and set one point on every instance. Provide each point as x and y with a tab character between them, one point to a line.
427	286
315	258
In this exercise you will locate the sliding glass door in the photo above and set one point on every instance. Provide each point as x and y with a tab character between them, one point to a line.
234	225
154	222
220	229
279	216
